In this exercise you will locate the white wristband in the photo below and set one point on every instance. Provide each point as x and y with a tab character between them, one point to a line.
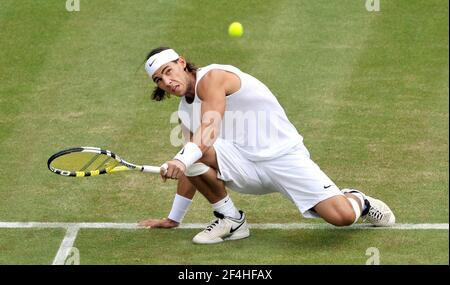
179	208
189	154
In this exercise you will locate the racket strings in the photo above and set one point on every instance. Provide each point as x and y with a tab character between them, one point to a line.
90	161
84	162
107	163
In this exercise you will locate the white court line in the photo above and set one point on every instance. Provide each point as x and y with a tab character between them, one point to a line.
293	226
73	228
66	246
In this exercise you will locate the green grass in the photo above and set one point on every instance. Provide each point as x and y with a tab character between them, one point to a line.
368	91
29	246
264	247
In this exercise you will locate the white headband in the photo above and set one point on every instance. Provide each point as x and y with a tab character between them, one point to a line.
159	59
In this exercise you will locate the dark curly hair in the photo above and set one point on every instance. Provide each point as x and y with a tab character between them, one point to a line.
159	94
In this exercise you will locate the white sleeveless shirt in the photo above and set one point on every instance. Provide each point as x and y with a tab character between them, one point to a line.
254	121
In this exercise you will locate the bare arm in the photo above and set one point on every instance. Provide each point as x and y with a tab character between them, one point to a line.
212	90
184	189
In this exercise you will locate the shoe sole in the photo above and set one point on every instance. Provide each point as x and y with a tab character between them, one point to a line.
240	235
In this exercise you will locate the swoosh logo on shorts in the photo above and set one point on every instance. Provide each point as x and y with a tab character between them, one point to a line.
326	187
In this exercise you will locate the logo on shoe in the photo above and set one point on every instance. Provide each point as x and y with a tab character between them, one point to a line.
236	228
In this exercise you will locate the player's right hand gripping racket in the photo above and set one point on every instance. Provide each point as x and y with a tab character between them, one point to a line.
92	161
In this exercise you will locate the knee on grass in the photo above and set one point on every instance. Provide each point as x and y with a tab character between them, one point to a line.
346	216
343	218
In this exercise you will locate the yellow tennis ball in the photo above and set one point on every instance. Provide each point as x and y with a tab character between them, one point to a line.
235	29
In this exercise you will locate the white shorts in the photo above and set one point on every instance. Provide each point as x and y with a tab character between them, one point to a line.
294	175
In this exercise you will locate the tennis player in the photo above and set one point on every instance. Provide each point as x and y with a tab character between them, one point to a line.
238	136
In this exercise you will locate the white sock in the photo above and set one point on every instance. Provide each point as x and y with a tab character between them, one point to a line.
227	208
361	198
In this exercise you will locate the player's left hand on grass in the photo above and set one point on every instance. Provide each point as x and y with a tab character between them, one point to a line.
159	223
173	169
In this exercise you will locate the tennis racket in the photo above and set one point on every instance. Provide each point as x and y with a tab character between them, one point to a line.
93	161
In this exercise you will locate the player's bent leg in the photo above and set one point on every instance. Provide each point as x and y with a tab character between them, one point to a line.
375	211
210	158
196	169
230	223
206	180
207	183
203	175
337	210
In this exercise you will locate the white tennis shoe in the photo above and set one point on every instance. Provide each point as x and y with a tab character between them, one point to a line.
377	212
223	228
